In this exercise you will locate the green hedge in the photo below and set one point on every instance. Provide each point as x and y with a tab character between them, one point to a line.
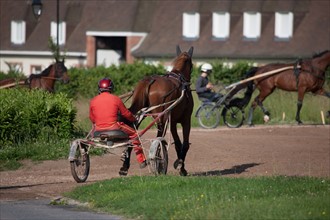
83	82
26	114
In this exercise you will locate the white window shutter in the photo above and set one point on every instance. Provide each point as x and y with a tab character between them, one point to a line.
252	25
191	25
61	34
18	29
283	25
220	24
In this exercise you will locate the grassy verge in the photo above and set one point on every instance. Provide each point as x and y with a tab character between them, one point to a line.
41	149
173	197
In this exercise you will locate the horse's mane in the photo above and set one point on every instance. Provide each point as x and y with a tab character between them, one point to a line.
180	60
320	54
45	72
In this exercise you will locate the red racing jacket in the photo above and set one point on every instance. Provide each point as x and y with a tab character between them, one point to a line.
103	111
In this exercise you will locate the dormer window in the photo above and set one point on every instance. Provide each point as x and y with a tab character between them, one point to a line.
283	25
61	33
18	32
251	25
220	25
191	25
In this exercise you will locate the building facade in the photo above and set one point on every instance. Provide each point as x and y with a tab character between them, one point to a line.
108	33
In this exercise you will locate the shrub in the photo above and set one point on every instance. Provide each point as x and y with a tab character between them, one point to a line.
83	82
26	113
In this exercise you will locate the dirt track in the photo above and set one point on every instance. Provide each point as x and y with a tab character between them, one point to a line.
243	152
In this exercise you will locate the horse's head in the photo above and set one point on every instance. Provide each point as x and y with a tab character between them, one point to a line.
61	72
183	63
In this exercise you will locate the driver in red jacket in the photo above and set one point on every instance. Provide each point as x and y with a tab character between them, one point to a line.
103	112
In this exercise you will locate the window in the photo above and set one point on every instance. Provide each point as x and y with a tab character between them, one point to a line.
15	67
220	25
18	32
61	32
251	25
191	25
283	25
35	69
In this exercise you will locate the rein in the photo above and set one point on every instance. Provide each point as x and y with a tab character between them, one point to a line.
180	78
49	77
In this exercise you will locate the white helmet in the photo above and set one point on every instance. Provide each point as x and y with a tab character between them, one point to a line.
206	67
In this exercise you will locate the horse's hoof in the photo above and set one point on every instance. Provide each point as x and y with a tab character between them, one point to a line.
183	172
250	125
300	122
123	171
178	164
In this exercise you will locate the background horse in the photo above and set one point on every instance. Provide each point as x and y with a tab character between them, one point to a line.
156	90
46	79
304	76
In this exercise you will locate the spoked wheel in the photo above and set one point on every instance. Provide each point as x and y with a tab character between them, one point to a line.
208	116
158	156
80	165
233	116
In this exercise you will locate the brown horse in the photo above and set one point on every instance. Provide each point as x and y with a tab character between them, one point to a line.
46	79
303	76
156	90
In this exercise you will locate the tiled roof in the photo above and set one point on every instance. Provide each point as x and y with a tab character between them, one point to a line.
311	30
162	21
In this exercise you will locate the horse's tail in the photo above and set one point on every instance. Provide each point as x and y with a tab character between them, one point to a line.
242	102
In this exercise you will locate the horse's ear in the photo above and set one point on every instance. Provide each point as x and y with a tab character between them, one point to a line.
178	50
190	52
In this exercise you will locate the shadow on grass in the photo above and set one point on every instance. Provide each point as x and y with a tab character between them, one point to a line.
238	169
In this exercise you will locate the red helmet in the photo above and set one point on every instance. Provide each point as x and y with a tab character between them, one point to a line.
105	85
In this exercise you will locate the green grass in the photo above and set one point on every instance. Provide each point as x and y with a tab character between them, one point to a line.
45	148
174	197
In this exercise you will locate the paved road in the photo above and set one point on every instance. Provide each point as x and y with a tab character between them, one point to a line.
42	210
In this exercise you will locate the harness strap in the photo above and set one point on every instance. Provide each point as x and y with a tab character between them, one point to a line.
311	70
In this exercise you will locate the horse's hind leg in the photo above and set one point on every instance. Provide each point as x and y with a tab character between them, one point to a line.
258	102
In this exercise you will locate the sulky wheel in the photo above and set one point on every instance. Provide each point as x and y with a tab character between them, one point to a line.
233	116
208	116
158	156
80	164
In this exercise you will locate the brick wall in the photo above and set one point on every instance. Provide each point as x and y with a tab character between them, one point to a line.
91	51
131	42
